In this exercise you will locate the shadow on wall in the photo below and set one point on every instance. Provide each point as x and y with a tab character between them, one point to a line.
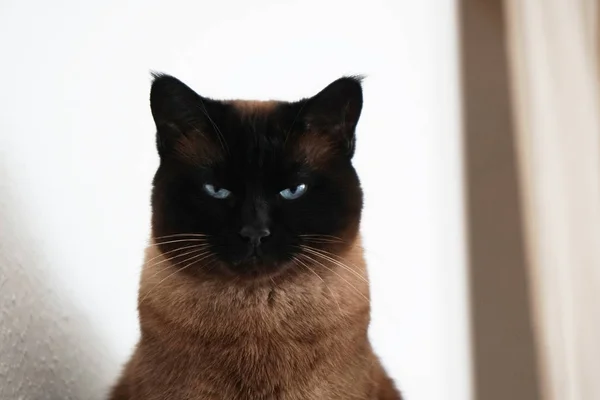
48	349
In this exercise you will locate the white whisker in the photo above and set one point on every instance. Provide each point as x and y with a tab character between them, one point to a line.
320	236
193	235
340	259
197	248
322	280
333	271
175	241
179	262
171	274
338	263
174	250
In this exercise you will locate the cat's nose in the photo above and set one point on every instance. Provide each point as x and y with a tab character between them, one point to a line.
255	235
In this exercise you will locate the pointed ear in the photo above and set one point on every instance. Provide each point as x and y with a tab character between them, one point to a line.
335	111
179	113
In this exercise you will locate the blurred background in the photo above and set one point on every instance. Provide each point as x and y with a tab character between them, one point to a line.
482	246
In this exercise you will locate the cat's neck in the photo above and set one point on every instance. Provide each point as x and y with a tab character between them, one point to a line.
307	334
321	299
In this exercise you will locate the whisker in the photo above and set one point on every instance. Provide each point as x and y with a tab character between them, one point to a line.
174	250
338	263
318	240
340	276
212	264
322	280
176	241
196	249
181	234
179	262
337	257
170	275
322	236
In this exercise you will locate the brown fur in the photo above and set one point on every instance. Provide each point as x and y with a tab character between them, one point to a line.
253	108
278	339
313	148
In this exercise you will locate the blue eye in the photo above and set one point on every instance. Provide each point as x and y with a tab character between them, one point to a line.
293	193
216	193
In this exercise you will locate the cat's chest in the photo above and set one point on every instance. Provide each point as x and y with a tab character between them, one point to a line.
249	369
314	387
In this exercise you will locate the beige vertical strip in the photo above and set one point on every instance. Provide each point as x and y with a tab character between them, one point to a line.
589	12
555	86
503	346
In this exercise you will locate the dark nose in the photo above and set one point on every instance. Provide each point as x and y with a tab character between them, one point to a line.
254	235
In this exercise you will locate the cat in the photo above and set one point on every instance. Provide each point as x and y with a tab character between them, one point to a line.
254	286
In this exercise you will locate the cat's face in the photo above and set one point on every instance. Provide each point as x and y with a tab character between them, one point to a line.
254	188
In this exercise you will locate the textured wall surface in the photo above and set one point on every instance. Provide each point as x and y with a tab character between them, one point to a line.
48	349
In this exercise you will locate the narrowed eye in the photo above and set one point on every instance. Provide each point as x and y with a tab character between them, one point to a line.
293	193
220	193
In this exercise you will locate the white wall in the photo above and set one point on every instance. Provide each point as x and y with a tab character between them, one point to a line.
77	156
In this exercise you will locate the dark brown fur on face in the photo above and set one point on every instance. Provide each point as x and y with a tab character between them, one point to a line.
297	333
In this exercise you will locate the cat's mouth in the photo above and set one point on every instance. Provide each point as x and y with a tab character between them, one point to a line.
256	262
254	258
254	252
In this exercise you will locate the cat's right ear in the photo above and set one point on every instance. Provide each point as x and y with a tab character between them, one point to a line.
178	113
335	110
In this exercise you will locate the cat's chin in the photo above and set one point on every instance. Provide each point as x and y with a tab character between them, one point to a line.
256	268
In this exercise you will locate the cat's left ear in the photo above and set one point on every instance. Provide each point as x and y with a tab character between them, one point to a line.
335	111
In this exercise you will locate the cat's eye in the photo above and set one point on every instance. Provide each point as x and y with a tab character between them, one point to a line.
294	192
217	193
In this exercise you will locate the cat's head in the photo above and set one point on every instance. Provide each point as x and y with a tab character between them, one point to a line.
251	188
